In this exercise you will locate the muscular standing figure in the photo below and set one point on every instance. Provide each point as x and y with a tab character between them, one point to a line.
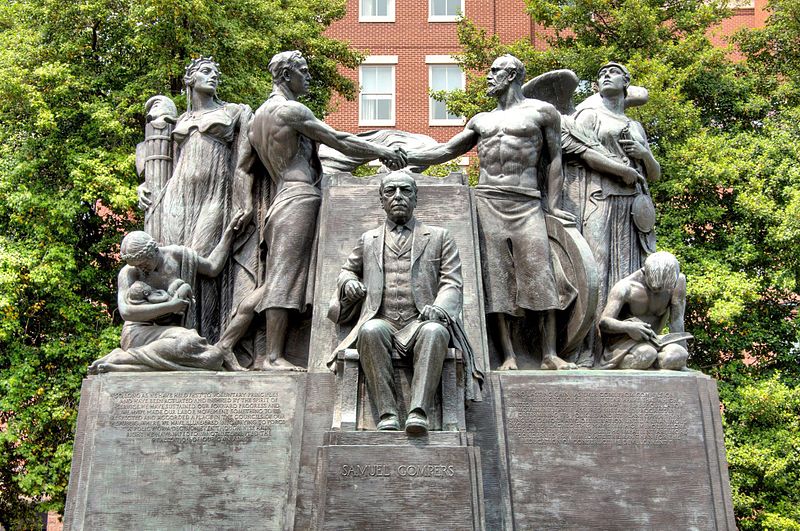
515	253
284	133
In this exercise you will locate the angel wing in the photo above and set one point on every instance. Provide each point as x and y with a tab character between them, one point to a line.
556	87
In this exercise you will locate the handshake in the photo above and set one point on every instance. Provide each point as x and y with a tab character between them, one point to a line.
395	158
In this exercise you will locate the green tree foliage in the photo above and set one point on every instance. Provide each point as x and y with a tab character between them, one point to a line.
762	435
74	78
726	133
773	52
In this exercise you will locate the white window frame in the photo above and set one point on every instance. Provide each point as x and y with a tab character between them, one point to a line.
374	18
442	60
379	60
444	18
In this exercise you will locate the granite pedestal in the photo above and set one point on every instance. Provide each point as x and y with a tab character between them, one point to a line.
613	450
186	451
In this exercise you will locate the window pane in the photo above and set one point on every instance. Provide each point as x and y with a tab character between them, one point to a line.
438	110
376	107
446	77
438	78
384	109
375	8
441	8
453	7
376	79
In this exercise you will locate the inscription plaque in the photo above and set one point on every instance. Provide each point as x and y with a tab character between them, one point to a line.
398	488
583	417
196	417
628	450
187	451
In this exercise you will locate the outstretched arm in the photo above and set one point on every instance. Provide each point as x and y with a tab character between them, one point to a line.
303	121
441	153
212	266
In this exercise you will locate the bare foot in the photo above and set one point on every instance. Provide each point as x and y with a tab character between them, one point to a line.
233	365
280	364
229	361
509	365
261	364
554	363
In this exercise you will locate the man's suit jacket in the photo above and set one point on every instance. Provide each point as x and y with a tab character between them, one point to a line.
435	277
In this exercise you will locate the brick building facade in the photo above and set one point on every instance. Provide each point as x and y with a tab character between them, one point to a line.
410	44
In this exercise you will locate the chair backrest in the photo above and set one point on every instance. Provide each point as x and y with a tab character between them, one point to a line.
350	206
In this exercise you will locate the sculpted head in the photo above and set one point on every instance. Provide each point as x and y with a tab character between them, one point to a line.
398	192
159	106
613	78
139	250
139	291
202	75
290	69
506	71
661	271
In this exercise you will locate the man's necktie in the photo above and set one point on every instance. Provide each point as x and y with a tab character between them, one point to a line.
401	234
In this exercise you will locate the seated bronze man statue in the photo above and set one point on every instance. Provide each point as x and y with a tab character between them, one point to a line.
405	277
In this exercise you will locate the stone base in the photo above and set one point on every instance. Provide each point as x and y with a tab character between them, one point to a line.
386	480
545	450
613	450
186	450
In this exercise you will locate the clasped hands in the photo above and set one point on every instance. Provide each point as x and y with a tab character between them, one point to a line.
354	291
395	159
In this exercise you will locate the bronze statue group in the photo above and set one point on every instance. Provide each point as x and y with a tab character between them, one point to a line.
231	200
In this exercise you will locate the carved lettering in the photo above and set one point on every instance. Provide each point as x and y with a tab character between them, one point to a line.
405	471
426	471
587	417
363	471
197	417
